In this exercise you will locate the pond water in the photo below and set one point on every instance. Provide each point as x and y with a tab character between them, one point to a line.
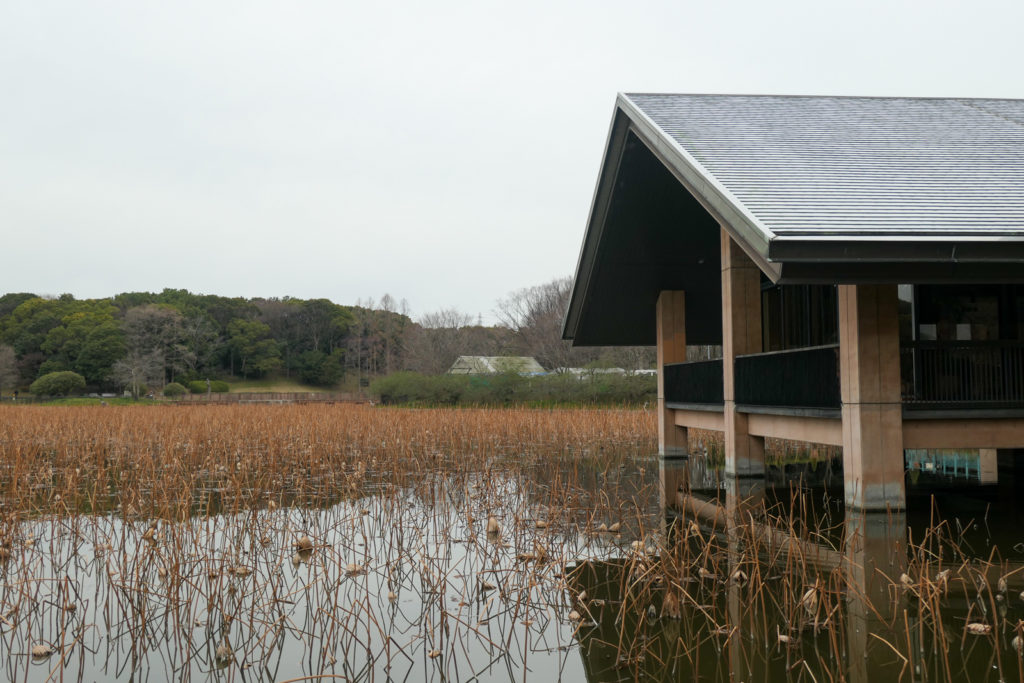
930	593
575	562
404	586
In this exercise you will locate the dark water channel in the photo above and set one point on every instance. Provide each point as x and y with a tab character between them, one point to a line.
778	581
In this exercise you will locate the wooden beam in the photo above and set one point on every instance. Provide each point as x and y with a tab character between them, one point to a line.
964	433
699	419
797	428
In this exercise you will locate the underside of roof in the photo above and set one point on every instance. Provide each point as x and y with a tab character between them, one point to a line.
815	189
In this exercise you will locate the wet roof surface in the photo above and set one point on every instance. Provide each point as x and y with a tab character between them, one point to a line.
850	166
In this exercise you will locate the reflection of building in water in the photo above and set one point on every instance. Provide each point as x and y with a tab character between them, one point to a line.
978	465
862	297
878	577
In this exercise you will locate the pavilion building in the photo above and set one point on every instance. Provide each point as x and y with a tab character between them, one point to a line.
860	261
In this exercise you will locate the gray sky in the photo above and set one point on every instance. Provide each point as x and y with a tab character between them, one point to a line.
444	152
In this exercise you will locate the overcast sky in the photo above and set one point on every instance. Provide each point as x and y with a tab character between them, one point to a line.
444	152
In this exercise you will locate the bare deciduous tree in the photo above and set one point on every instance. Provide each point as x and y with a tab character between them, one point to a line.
154	330
432	346
535	315
138	369
392	329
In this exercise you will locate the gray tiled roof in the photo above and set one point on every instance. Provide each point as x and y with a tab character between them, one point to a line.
853	166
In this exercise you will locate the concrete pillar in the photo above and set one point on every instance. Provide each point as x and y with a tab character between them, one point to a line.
869	369
741	334
671	334
988	466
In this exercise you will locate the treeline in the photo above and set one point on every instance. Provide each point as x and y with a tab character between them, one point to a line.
145	339
141	339
594	388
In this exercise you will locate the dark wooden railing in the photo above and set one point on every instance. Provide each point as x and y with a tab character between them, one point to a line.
966	372
698	382
797	378
934	374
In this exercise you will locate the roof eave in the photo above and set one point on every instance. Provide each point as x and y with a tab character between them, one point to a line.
716	200
613	149
919	248
919	258
742	225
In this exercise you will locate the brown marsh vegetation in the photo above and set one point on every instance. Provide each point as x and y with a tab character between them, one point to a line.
355	543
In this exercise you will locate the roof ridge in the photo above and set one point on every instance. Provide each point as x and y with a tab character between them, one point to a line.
827	97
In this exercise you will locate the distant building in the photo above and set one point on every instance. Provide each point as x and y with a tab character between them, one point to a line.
492	365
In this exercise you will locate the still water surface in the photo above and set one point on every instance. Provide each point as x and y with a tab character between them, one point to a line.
701	578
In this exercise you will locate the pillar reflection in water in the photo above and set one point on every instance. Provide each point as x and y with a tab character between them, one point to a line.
864	561
674	475
876	555
744	497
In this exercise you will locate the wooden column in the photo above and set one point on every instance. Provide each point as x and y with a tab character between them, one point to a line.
741	334
988	466
671	321
869	369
